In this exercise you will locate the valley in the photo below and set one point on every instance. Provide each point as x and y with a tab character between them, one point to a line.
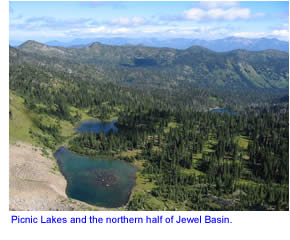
189	158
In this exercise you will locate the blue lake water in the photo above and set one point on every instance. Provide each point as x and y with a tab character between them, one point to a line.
96	126
222	110
97	181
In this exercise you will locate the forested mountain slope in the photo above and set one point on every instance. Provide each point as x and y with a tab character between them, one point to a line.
163	67
189	157
219	45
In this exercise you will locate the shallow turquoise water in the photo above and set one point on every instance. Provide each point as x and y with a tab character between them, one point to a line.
97	181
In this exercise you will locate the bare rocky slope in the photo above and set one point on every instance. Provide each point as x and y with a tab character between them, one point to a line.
34	185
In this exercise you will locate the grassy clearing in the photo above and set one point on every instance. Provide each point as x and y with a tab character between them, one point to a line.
143	183
192	171
82	112
170	125
85	116
21	121
131	153
243	142
209	145
246	182
67	129
213	99
144	186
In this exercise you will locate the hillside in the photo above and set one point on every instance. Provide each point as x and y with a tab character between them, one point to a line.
189	157
218	45
195	66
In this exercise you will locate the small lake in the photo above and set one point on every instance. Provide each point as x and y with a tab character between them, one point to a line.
223	110
96	126
97	181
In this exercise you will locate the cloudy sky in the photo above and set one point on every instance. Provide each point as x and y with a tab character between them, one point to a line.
64	21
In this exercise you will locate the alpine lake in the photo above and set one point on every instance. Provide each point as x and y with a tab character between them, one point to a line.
97	181
223	111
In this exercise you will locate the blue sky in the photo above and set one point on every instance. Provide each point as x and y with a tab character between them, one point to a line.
64	21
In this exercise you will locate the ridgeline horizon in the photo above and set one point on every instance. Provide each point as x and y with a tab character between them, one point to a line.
218	45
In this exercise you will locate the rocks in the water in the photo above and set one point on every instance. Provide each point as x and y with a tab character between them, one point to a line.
106	177
97	181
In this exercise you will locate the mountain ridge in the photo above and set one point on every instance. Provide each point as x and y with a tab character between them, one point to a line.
196	66
218	45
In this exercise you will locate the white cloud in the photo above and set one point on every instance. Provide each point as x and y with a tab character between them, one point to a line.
218	4
120	30
199	14
249	34
128	21
280	34
195	14
162	31
100	29
138	20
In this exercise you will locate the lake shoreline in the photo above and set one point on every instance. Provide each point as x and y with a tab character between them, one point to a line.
35	184
100	156
109	158
88	172
81	126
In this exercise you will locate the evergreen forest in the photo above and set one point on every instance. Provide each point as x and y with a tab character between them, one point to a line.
189	157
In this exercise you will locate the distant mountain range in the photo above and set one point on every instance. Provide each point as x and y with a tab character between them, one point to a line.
142	66
219	45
